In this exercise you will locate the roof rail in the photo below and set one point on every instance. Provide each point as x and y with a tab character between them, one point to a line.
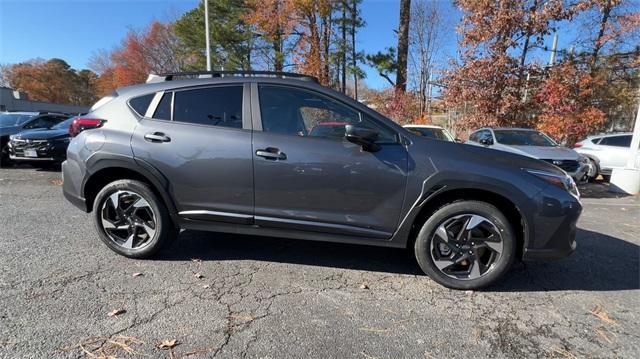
153	78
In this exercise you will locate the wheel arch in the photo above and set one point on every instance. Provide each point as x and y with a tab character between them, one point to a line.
107	170
447	196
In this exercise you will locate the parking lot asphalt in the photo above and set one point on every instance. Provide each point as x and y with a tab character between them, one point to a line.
236	296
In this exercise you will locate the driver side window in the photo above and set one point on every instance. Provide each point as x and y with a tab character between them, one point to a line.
296	112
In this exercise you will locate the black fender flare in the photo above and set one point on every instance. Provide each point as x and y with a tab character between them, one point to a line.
102	161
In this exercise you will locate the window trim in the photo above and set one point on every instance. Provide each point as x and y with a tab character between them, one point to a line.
256	113
246	110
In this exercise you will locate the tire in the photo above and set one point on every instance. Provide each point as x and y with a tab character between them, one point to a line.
492	257
140	225
593	176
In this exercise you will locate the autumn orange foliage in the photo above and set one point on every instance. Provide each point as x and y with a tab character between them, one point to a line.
564	99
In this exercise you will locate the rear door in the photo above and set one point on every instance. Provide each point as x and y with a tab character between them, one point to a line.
308	177
615	151
200	139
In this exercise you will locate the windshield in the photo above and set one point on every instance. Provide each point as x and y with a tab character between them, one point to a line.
435	133
64	125
523	138
14	119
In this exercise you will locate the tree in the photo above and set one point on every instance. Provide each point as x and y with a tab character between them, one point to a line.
155	49
488	85
424	39
567	112
52	81
232	39
274	21
356	56
385	62
403	45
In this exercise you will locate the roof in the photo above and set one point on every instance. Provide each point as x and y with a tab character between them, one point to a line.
611	134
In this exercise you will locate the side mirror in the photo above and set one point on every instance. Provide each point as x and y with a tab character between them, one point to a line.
486	142
458	140
362	136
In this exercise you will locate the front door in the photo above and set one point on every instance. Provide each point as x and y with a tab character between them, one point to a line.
201	145
308	177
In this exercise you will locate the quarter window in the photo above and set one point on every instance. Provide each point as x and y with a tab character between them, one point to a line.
298	112
214	106
140	104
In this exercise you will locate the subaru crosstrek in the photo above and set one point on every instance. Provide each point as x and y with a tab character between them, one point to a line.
238	153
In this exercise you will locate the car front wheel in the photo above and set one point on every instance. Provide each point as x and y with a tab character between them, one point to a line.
131	220
466	245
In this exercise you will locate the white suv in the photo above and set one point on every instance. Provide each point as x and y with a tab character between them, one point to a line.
605	152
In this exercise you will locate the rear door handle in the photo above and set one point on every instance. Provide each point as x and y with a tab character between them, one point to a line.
271	153
157	137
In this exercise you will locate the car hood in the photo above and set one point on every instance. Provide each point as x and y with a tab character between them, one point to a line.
42	134
509	159
542	152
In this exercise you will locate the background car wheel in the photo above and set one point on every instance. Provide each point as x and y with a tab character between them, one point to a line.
131	220
466	245
593	172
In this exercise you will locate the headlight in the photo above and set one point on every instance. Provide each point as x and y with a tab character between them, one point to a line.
584	159
564	182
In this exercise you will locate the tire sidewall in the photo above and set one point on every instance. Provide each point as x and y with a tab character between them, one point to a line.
163	221
425	236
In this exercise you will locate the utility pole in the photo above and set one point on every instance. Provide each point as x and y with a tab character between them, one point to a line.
206	33
554	48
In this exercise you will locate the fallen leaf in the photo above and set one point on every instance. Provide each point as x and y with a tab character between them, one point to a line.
198	275
116	312
364	286
196	260
57	182
206	286
136	274
168	344
602	314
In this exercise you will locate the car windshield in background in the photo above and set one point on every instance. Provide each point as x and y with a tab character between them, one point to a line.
64	125
13	119
435	133
523	138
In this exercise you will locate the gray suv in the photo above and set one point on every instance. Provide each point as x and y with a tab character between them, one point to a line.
250	153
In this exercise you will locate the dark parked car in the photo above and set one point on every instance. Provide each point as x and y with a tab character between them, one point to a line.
14	122
41	144
235	152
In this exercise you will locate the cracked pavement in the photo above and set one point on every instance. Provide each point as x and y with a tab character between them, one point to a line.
274	298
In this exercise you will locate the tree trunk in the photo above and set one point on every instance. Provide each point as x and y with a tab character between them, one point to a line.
343	45
403	45
606	14
354	53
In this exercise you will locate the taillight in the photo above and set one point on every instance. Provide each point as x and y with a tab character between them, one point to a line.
80	124
577	145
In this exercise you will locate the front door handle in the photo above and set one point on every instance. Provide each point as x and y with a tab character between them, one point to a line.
157	137
271	153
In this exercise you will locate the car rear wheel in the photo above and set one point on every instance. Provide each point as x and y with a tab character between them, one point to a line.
131	220
466	245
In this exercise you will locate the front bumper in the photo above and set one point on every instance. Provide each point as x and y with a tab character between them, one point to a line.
47	151
555	227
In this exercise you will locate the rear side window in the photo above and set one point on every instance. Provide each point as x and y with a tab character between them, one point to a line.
163	111
617	141
214	106
140	104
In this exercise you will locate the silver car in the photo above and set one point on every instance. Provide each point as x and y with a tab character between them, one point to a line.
532	143
605	152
